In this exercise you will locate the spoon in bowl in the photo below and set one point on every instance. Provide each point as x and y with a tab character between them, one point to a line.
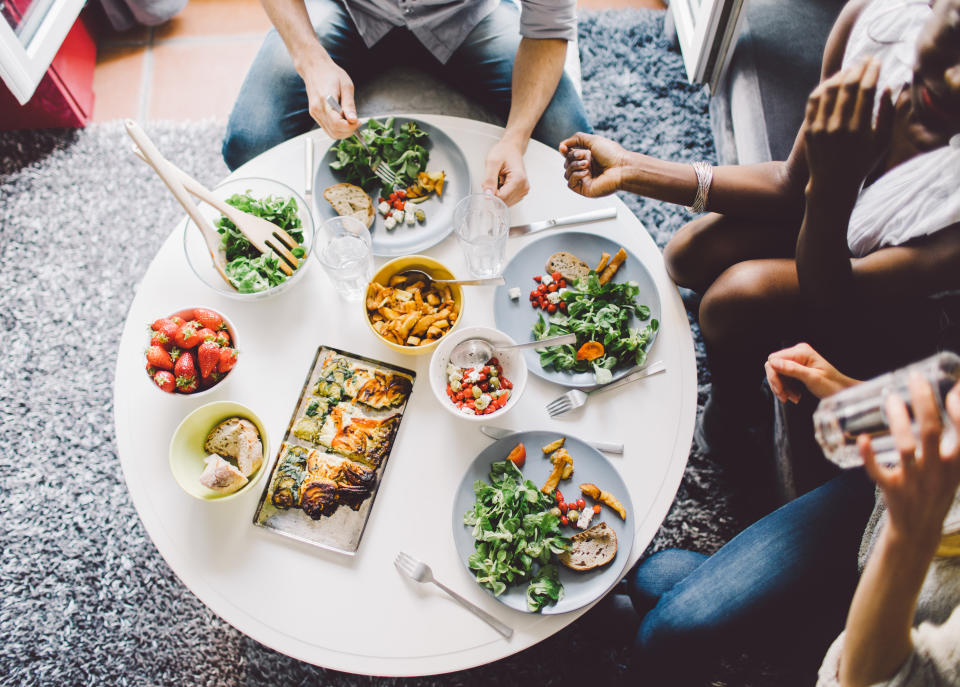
414	275
474	352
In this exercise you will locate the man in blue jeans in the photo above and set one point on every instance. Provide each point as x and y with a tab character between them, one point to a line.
510	58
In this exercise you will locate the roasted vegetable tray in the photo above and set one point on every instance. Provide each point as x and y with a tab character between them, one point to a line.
327	472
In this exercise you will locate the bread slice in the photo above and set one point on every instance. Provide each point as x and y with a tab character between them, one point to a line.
238	439
569	265
221	476
351	201
591	548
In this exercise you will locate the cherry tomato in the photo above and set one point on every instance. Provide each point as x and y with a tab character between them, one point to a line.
563	507
534	294
563	306
596	508
563	283
537	278
580	504
564	520
556	276
486	369
552	308
495	361
553	287
507	383
558	495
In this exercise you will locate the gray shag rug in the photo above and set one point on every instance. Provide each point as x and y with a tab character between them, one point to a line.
85	599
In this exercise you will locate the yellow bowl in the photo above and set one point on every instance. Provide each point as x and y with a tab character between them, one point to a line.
187	455
432	267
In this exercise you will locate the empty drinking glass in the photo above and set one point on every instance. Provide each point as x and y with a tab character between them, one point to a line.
344	250
481	223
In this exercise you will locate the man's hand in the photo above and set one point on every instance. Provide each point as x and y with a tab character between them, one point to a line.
593	164
322	77
791	369
505	175
842	144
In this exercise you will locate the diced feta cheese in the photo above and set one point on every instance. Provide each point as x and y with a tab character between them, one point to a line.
553	297
514	293
384	208
390	223
467	411
473	376
586	515
452	370
546	280
410	218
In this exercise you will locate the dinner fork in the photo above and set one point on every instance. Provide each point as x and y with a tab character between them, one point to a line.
576	398
380	168
421	572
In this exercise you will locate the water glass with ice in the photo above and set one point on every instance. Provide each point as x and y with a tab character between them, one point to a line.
481	223
344	249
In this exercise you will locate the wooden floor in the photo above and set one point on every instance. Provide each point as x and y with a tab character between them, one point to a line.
192	66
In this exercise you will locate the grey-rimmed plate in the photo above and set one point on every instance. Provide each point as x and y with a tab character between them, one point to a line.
446	156
579	588
516	318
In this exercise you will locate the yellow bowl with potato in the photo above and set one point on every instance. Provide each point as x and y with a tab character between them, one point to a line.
409	319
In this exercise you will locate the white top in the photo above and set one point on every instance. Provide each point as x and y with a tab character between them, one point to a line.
920	196
358	614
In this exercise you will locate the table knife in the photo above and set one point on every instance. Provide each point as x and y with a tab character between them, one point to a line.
582	218
500	433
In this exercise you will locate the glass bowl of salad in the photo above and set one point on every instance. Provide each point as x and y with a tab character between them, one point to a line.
486	392
253	274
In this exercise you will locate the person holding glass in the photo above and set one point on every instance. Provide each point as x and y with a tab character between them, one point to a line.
784	585
842	242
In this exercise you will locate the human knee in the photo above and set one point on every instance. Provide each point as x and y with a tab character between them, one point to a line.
241	144
685	255
658	574
733	302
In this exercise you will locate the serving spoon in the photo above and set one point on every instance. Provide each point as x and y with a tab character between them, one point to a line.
413	275
474	352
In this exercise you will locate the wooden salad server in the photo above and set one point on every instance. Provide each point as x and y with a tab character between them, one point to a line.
152	156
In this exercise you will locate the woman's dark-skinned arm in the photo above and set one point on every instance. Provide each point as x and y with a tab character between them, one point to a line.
598	166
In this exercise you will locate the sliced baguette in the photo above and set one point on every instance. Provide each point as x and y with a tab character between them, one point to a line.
221	476
591	548
569	265
238	439
351	201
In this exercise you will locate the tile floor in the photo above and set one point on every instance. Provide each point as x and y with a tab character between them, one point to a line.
192	66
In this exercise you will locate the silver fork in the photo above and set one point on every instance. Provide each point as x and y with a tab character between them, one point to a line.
381	169
576	398
421	572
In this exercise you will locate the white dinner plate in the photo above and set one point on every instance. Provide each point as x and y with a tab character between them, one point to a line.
589	465
445	155
517	317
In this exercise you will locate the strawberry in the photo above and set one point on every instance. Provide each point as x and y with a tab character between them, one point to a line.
207	334
159	324
228	358
208	318
208	356
223	338
187	385
159	358
187	336
151	370
160	339
186	373
165	380
177	320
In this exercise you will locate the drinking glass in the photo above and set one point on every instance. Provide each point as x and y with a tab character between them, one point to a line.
481	223
344	250
842	417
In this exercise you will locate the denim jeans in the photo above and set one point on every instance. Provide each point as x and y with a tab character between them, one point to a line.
272	106
782	586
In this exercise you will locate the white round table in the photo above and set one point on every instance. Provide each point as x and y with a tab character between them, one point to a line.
358	614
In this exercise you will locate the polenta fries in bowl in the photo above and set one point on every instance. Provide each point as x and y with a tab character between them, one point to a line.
411	316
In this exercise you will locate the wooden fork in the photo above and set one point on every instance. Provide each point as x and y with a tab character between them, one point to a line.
262	234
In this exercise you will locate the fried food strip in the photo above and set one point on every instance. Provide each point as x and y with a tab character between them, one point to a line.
598	494
554	445
562	469
614	265
604	259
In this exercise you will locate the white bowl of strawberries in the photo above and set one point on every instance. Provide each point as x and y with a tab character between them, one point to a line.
190	351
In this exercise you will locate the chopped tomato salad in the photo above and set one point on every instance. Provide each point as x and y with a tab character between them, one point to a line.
478	391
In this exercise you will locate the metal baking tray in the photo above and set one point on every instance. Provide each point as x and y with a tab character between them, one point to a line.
342	529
